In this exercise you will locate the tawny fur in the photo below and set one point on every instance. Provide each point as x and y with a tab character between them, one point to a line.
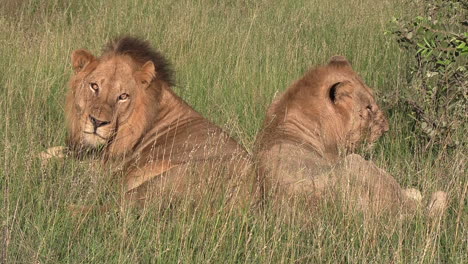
149	131
309	130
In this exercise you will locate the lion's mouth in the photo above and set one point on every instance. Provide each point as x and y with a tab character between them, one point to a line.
95	134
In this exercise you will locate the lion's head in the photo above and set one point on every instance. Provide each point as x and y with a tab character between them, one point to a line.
354	104
110	96
329	108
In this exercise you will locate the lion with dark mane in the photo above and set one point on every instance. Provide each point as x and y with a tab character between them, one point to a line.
309	130
121	105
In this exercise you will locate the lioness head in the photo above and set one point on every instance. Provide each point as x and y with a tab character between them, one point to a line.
354	103
329	108
109	96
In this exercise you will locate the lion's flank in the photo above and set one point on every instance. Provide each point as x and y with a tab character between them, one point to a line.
142	52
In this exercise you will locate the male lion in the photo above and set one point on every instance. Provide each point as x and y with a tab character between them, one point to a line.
327	112
121	106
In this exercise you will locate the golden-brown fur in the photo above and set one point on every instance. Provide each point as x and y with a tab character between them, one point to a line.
121	105
307	133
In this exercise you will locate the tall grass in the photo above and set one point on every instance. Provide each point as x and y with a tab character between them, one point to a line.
231	57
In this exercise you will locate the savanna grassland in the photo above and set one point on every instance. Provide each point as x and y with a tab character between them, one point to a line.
231	58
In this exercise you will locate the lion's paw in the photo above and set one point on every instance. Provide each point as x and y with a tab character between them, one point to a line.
413	194
437	204
53	152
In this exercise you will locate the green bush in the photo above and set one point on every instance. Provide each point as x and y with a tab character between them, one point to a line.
437	77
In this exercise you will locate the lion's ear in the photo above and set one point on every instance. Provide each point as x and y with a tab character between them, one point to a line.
339	61
339	91
81	58
147	72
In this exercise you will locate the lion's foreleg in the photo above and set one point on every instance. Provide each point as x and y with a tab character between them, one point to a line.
373	187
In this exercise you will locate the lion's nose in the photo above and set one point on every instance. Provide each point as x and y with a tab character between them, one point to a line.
97	123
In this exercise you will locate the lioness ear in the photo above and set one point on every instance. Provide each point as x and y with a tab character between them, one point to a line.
81	58
147	73
339	91
339	61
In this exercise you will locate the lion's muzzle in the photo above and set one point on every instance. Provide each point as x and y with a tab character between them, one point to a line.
96	132
97	123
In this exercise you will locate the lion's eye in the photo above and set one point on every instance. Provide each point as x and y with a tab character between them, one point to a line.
123	97
94	87
369	108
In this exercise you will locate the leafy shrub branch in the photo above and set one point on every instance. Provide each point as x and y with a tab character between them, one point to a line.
438	75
